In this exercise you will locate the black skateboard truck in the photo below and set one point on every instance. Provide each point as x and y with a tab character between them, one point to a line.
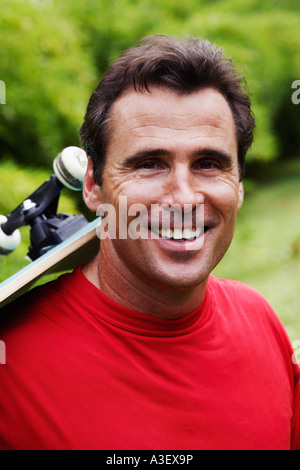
39	210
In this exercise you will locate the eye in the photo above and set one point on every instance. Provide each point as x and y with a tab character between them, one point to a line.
149	165
206	164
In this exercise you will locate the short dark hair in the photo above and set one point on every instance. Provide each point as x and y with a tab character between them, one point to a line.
183	66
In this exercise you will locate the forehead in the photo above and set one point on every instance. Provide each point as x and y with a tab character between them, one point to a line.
161	114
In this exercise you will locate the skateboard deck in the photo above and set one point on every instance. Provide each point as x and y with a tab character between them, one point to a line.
77	249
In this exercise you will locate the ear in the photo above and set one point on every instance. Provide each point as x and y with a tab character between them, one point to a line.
240	195
92	193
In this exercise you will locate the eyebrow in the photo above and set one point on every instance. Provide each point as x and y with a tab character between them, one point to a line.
209	152
143	154
202	152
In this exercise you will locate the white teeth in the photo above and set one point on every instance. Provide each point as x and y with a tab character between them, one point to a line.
178	234
166	233
189	233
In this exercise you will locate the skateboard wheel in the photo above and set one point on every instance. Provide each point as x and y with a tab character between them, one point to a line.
8	243
70	167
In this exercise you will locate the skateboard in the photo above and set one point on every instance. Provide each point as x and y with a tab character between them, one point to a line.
59	242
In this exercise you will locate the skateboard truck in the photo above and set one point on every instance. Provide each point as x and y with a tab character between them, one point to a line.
39	210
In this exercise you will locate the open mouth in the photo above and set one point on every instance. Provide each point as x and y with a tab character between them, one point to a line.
178	234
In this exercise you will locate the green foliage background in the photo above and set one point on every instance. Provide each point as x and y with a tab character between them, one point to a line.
52	54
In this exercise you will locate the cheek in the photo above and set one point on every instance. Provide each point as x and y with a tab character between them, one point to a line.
224	199
137	191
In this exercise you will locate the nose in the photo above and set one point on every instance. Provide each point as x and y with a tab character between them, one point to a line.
182	188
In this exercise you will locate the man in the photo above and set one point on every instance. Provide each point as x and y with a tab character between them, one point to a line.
143	348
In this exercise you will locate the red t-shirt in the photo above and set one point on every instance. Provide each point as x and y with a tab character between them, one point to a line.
83	372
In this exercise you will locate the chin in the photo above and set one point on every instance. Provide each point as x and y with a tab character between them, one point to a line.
182	280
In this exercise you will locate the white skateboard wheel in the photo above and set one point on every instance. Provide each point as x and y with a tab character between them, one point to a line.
70	167
8	243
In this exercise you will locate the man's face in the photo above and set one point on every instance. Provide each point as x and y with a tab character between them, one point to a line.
171	149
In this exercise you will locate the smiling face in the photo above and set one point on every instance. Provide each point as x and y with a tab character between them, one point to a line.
167	148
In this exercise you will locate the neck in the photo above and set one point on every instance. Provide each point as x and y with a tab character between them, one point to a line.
122	286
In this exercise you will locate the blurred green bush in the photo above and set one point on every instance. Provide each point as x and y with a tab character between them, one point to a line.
47	75
53	54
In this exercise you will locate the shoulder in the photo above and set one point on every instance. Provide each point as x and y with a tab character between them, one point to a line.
36	305
249	309
245	304
41	322
237	292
